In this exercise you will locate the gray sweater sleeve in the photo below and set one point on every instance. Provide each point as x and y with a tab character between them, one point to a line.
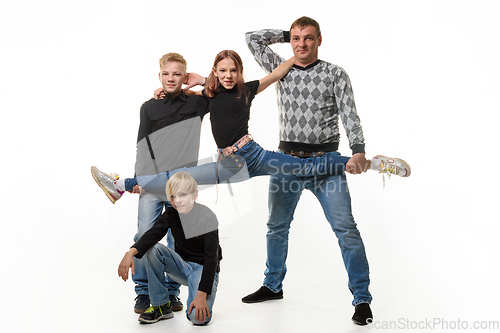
258	43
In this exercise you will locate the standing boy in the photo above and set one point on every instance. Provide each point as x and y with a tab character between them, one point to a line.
160	119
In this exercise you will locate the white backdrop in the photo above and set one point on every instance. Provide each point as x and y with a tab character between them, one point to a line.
425	78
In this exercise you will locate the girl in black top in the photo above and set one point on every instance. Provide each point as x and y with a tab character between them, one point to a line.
230	99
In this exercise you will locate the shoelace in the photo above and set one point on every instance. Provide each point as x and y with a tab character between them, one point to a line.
389	170
153	308
114	176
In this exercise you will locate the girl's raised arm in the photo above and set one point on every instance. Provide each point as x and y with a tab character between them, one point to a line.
277	74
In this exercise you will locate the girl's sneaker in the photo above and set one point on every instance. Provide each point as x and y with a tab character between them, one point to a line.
393	166
107	183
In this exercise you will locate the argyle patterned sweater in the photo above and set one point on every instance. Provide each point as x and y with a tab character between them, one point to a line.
310	99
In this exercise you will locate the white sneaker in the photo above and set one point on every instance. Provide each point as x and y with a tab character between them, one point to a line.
107	183
393	166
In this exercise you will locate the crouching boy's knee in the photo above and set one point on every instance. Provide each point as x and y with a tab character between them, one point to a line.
192	318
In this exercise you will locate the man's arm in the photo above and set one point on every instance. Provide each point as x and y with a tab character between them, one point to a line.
258	43
347	109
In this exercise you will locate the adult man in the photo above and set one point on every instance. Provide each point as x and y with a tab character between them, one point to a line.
161	121
311	97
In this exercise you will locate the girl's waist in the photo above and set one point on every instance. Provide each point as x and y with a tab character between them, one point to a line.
236	146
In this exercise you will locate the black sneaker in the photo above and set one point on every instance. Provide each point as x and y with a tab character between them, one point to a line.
156	313
261	295
362	314
176	303
141	303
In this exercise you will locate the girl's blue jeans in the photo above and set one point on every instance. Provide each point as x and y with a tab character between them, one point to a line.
249	161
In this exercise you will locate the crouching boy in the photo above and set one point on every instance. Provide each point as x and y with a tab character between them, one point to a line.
195	261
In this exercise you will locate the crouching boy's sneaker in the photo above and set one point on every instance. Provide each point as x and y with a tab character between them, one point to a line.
176	303
141	303
156	313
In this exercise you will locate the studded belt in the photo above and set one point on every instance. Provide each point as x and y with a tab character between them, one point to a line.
234	148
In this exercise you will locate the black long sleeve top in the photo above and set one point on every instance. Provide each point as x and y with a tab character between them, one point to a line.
203	249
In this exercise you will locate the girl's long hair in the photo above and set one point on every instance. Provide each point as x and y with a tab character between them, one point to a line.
213	82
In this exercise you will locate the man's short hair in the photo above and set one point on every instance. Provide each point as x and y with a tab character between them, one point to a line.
305	21
169	57
181	182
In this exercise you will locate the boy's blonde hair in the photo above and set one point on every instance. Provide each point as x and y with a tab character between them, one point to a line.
181	182
169	57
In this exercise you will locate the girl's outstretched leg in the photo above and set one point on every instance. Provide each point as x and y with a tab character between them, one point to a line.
204	174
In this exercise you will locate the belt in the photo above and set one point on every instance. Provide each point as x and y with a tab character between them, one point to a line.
234	148
304	154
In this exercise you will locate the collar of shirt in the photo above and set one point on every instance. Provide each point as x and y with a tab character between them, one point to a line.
182	96
308	66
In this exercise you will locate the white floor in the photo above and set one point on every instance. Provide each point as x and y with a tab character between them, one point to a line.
72	283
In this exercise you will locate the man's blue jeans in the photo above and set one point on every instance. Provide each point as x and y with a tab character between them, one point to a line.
333	194
249	161
150	208
161	260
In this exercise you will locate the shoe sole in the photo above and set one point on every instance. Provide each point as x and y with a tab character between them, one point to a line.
263	299
139	311
166	316
110	197
408	170
177	307
361	323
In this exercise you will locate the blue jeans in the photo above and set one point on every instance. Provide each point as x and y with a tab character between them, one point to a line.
249	161
150	208
333	194
161	260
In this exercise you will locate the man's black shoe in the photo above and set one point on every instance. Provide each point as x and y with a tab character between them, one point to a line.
362	314
261	295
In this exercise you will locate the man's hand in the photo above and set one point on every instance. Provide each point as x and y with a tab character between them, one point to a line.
200	306
357	164
126	263
193	79
137	190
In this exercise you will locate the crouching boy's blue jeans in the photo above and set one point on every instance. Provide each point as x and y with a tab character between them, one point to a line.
160	260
